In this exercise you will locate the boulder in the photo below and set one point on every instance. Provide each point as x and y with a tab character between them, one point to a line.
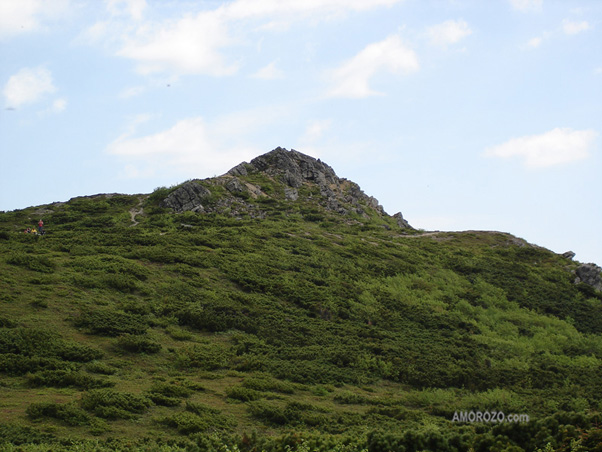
189	196
589	274
568	255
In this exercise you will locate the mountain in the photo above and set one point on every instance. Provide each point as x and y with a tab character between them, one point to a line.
278	307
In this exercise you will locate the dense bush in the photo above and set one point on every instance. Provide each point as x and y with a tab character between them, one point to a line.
64	378
41	264
68	413
137	344
111	404
111	323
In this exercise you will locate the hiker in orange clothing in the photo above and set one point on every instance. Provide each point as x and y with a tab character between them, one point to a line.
40	226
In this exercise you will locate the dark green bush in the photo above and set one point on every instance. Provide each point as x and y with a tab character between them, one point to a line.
205	357
111	323
268	384
243	394
138	344
350	398
13	364
16	435
111	404
64	378
163	400
171	390
68	413
5	322
40	264
99	367
71	351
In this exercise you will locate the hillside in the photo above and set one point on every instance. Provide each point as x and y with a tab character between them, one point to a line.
279	307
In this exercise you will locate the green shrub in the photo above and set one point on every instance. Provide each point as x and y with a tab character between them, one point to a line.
36	263
138	344
64	378
71	351
98	367
351	398
171	390
5	322
268	384
111	404
205	357
163	400
17	435
198	418
111	323
243	394
13	364
68	413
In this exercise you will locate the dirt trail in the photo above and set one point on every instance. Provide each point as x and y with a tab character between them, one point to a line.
135	211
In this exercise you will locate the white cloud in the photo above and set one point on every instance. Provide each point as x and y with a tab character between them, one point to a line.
352	78
195	43
269	72
527	5
28	86
133	8
190	45
269	8
192	147
572	28
59	105
20	16
535	42
556	147
448	32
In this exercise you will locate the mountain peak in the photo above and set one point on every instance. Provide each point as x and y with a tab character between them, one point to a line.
290	179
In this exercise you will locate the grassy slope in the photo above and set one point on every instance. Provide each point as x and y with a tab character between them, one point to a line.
301	322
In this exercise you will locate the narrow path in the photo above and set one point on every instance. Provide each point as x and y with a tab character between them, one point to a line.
138	210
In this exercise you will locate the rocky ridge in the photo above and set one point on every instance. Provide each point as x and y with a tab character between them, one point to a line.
280	175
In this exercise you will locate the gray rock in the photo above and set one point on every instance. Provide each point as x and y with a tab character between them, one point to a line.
291	194
589	274
190	196
239	170
400	221
568	255
294	170
234	186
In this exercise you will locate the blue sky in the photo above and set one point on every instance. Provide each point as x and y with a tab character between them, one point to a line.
461	114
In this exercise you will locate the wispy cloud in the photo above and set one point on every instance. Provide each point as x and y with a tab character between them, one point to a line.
28	86
448	32
352	78
269	72
22	16
192	147
572	28
131	8
556	147
527	5
197	42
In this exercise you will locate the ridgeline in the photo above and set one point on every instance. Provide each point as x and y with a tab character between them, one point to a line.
280	308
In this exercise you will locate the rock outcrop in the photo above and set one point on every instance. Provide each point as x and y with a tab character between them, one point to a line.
190	196
290	170
589	274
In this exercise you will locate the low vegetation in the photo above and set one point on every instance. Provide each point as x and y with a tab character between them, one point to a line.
300	331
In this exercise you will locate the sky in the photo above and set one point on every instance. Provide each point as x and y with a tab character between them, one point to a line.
461	114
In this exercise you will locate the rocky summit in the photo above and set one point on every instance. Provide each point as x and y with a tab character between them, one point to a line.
280	176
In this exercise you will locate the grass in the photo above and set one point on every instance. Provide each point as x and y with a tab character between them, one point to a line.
303	329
